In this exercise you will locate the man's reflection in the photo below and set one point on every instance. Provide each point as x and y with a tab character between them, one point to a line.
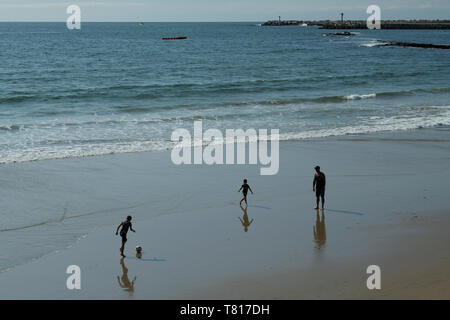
126	284
244	220
320	234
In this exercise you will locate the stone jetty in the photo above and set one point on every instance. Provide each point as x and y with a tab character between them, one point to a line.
417	45
362	24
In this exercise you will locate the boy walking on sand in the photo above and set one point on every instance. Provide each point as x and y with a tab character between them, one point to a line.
245	187
123	232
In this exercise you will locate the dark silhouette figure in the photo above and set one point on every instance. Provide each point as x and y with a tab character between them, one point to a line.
245	187
319	183
123	232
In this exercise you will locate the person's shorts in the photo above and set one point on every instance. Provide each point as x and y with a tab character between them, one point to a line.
320	192
245	194
124	237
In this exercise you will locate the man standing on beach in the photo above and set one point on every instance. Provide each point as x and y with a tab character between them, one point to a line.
123	232
319	182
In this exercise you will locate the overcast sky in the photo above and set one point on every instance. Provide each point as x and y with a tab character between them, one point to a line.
219	10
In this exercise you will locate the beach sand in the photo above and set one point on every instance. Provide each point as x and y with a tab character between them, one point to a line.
387	204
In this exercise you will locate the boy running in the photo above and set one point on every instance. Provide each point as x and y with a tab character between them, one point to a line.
245	187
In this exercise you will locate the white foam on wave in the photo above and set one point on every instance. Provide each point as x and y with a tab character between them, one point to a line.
400	123
80	151
373	43
360	96
412	118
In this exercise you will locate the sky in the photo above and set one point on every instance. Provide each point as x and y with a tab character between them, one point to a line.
219	10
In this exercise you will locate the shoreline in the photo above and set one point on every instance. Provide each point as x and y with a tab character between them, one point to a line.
195	246
363	136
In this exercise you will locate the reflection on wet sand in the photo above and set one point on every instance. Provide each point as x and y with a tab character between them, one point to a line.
320	234
244	220
126	284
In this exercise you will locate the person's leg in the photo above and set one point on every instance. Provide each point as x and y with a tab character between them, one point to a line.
322	195
240	202
245	199
317	202
122	248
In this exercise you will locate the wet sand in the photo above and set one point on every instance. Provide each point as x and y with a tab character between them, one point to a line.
387	204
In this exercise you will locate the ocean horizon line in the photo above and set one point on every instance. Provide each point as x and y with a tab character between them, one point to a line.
215	21
134	21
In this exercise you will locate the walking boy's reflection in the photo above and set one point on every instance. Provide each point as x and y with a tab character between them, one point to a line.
244	220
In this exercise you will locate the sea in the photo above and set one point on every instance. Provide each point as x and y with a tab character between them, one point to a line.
118	87
113	88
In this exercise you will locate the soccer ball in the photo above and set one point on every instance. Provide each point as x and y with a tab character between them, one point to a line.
138	249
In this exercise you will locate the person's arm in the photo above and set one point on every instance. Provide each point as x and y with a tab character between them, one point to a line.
250	189
324	181
117	230
314	182
131	228
240	189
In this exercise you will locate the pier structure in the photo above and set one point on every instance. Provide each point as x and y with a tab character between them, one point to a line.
362	24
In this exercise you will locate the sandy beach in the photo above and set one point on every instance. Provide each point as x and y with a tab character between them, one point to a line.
387	204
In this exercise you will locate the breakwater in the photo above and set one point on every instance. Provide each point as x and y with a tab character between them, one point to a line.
417	45
362	24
